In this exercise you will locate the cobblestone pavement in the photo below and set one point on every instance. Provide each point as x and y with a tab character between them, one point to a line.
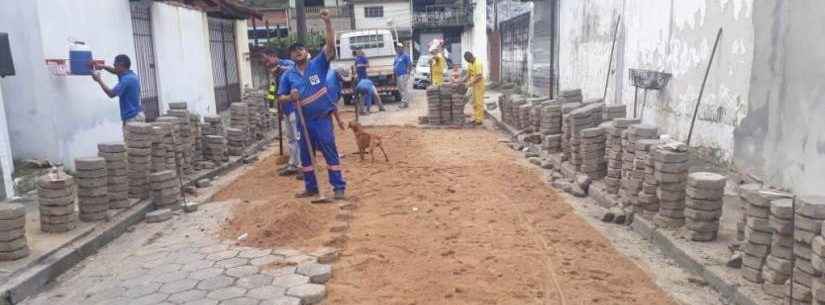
181	261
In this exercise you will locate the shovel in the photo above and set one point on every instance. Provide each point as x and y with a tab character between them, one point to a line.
321	198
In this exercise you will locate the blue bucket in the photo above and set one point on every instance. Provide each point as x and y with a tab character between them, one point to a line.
79	62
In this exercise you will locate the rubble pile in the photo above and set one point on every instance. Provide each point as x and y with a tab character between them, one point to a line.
92	194
703	206
117	173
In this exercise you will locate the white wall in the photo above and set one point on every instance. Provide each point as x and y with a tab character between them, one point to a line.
396	11
242	45
6	161
475	39
183	60
61	118
670	36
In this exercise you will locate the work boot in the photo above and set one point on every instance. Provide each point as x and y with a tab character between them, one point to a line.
340	195
306	194
287	171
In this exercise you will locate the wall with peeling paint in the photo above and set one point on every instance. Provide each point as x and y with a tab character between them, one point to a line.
674	36
61	118
781	138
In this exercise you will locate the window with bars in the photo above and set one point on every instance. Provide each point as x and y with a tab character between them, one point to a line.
374	12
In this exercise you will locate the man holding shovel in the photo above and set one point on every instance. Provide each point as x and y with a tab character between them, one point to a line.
305	86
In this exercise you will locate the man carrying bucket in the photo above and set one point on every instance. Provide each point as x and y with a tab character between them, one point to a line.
305	85
127	89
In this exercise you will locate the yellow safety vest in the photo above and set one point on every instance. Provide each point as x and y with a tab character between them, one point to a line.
272	92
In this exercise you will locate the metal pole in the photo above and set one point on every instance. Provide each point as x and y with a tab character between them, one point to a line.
280	129
301	21
610	61
702	89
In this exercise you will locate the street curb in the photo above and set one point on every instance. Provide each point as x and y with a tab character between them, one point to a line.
30	281
648	231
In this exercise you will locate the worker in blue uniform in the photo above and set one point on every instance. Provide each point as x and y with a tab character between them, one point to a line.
368	93
305	85
361	65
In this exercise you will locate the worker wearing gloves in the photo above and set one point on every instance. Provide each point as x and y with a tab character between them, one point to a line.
475	81
367	91
437	66
305	85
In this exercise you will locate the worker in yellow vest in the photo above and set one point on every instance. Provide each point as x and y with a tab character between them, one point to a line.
475	81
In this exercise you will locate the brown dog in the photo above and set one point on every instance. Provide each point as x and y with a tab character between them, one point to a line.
366	141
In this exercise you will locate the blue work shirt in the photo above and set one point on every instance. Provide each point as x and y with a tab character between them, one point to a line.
361	64
402	61
334	86
365	87
285	64
311	86
128	91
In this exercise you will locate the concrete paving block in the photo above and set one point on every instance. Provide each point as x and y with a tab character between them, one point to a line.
317	273
704	205
61	181
242	271
782	252
757	237
703	226
818	263
771	276
701	215
255	281
308	293
781	226
705	194
808	224
179	285
803	236
752	275
12	224
232	262
187	296
811	206
818	245
265	260
782	208
205	273
706	180
759	224
13	245
756	249
241	301
783	266
159	216
818	290
12	211
754	262
774	290
215	283
267	292
226	293
290	280
756	211
15	255
11	234
806	266
282	301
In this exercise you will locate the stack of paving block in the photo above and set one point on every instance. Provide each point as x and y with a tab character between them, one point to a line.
213	126
613	152
552	143
186	141
235	139
239	118
537	112
612	112
434	115
215	149
457	114
256	120
92	191
818	262
703	207
160	151
139	151
567	132
197	136
518	102
56	195
591	150
505	106
177	139
445	94
671	174
778	266
571	96
117	173
13	244
551	119
810	212
758	232
167	141
524	116
580	119
166	193
644	167
632	178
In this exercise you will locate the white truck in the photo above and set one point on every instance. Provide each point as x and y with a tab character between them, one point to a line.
379	47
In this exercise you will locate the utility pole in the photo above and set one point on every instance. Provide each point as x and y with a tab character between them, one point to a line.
301	20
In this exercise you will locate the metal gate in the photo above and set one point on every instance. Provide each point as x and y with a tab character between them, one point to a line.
145	58
224	62
514	48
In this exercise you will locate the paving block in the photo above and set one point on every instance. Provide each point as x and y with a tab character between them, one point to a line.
317	273
811	206
308	293
159	216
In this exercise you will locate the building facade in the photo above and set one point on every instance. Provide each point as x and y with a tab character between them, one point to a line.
393	14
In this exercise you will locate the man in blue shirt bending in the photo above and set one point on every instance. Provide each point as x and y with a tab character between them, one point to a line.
127	89
305	86
369	94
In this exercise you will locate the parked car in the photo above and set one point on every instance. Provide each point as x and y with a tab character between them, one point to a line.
379	47
421	76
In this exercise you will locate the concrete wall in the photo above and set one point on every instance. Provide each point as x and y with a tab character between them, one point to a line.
183	60
673	36
396	11
782	135
242	46
6	161
60	118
